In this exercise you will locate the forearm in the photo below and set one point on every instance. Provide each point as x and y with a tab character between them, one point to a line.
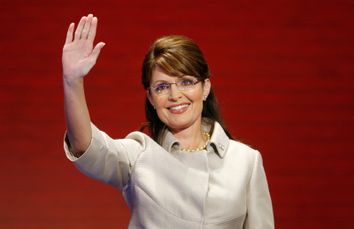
77	116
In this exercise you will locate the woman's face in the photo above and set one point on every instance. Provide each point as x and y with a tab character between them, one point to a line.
178	109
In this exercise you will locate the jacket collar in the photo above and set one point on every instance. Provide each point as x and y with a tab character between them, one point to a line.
219	141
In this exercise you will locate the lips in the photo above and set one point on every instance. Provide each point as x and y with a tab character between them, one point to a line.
179	108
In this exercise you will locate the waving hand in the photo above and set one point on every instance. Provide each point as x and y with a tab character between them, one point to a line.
79	55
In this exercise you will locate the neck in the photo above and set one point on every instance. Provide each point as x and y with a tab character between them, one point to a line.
191	137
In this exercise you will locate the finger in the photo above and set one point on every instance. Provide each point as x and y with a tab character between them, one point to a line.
69	33
96	51
92	33
79	28
86	27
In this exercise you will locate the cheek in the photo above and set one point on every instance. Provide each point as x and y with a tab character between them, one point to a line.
198	101
196	96
159	103
160	107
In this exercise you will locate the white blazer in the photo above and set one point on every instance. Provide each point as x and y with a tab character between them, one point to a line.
222	187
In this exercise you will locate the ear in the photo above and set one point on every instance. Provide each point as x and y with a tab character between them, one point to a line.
206	88
148	95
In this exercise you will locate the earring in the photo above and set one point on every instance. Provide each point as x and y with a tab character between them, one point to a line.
205	97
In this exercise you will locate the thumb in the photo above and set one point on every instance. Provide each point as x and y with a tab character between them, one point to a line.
96	51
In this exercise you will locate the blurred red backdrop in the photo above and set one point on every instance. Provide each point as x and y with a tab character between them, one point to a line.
282	70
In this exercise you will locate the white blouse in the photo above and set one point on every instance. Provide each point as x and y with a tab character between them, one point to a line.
222	187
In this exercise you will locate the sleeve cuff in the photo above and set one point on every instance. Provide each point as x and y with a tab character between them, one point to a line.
91	148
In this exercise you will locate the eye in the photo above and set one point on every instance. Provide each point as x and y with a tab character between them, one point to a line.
161	87
186	82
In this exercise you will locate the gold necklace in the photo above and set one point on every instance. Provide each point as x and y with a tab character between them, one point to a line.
206	137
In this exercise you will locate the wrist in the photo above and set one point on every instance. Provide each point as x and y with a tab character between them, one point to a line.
72	81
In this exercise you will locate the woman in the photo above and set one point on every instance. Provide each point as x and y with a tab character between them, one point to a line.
189	173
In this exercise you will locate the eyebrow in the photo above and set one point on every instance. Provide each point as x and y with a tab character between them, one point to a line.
159	81
178	77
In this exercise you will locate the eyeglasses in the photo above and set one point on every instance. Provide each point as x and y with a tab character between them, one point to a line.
183	84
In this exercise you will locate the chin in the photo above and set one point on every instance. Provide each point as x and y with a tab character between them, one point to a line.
180	124
179	121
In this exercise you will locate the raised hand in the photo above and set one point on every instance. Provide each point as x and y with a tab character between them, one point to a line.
79	56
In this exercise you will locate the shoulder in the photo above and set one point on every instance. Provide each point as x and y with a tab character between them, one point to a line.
144	141
244	149
245	153
226	146
240	146
239	152
132	145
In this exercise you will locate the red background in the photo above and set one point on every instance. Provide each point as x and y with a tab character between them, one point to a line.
282	71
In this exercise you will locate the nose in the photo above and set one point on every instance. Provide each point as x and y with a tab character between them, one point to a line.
175	93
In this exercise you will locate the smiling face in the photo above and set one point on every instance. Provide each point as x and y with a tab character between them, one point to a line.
177	109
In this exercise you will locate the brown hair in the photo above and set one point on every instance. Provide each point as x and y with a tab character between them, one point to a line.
177	56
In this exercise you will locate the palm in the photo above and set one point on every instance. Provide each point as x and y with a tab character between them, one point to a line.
76	58
79	56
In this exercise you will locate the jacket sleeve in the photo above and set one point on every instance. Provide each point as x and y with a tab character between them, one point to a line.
106	159
259	204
